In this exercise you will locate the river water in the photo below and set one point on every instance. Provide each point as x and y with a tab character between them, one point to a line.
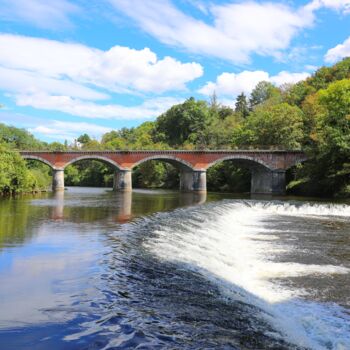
92	269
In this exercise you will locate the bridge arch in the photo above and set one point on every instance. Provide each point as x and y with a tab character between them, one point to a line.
243	158
173	160
40	159
295	162
263	177
94	157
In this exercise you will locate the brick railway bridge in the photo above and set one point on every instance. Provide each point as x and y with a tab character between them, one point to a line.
268	167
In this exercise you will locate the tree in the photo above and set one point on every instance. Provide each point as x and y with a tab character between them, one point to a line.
84	139
279	126
14	175
261	93
183	122
331	151
19	138
241	105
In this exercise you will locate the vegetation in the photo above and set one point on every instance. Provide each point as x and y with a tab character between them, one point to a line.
312	115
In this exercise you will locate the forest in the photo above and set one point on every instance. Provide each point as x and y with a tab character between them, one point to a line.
312	115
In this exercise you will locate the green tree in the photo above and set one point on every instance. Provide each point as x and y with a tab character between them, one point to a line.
278	126
84	139
261	93
14	175
242	105
184	122
331	152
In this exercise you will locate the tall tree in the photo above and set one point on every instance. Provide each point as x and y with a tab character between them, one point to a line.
241	105
261	93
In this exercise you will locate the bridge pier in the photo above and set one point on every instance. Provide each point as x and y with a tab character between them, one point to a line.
122	180
265	181
195	180
57	180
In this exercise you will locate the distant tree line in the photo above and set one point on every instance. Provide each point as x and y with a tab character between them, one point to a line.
312	115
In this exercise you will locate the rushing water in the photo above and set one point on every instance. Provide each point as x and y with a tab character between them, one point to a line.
91	269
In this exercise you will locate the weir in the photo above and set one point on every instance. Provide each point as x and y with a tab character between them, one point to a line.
268	167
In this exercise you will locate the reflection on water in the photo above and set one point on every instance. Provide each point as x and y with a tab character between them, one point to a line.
95	269
50	245
122	206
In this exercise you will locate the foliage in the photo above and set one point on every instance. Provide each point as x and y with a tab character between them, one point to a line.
19	139
261	93
331	148
14	175
278	126
183	123
227	177
242	106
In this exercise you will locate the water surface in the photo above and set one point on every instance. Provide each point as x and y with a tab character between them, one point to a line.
92	269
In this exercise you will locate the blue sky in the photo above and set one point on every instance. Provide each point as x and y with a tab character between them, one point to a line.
71	66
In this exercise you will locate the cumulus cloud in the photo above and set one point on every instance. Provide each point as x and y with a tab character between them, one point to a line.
288	78
119	69
237	31
232	84
338	52
76	79
52	129
40	13
63	130
148	109
21	81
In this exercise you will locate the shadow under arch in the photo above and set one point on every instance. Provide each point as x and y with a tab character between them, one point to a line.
256	176
183	168
298	181
94	171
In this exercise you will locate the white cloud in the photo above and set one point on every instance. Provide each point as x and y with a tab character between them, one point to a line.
338	5
147	110
288	78
311	67
63	130
238	29
40	13
338	52
232	84
52	129
119	69
20	81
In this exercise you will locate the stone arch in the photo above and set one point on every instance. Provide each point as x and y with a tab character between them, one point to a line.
177	162
240	157
40	159
297	161
94	157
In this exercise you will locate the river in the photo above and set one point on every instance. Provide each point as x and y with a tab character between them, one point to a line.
93	269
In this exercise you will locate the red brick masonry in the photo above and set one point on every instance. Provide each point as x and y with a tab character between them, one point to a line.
195	160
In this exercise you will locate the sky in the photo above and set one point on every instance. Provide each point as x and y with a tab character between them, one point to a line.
69	67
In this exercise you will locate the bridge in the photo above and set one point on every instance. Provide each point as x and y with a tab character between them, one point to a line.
268	167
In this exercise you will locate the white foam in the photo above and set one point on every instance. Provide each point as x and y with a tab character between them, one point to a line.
233	249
